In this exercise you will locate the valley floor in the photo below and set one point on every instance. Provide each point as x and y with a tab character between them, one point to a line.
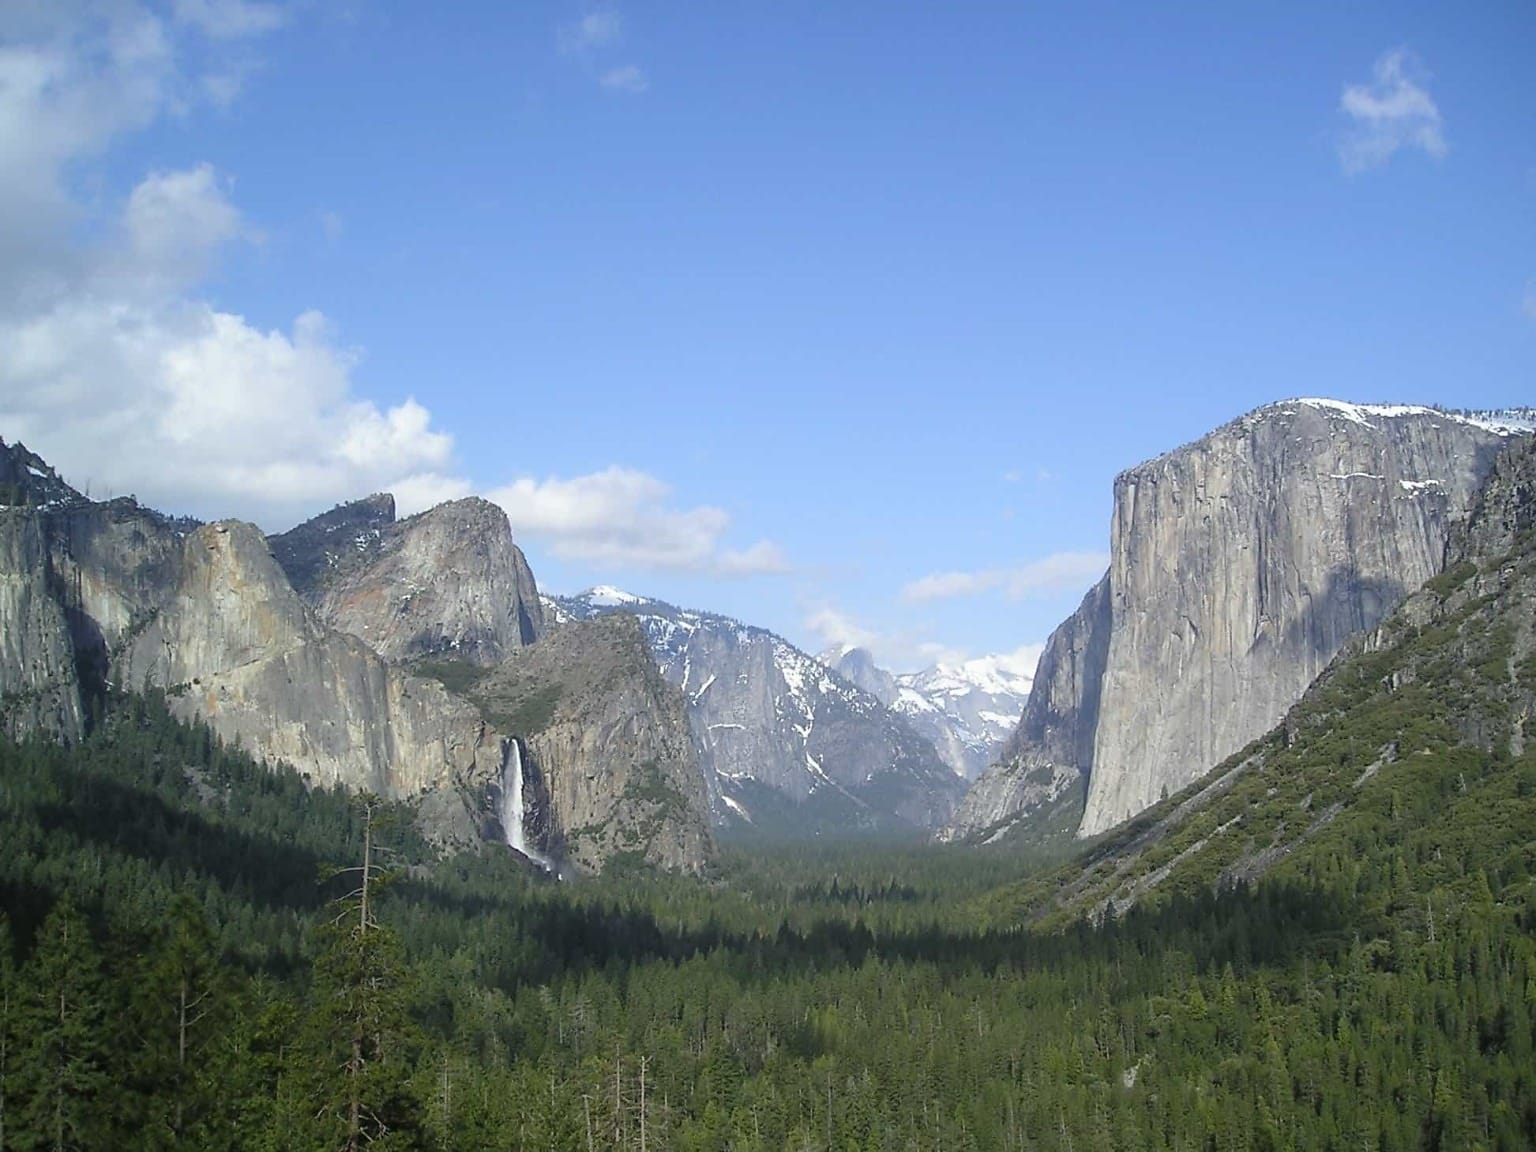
177	971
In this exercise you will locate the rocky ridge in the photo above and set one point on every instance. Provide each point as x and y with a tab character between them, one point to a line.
1045	762
1428	712
610	770
772	724
446	582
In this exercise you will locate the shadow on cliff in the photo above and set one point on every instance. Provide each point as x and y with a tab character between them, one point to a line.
1348	603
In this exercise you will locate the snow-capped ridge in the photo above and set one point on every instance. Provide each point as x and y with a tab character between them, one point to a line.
607	596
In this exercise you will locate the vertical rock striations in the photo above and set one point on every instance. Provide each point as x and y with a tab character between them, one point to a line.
234	644
39	684
782	740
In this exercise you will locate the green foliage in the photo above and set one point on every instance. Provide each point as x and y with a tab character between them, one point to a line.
1452	578
1379	990
526	713
458	676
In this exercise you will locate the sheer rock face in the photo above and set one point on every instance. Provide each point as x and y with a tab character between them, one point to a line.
100	594
1241	563
1052	748
39	686
446	583
234	644
608	740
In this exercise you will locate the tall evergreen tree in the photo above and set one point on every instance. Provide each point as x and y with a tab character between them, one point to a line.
66	1051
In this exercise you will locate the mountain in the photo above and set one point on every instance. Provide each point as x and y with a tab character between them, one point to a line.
1040	777
98	598
1409	763
1239	566
446	582
968	709
785	744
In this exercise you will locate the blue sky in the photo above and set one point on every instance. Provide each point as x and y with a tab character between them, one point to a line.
777	309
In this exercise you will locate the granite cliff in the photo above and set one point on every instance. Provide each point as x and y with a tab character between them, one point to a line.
1239	566
609	769
96	597
1420	725
446	582
1044	765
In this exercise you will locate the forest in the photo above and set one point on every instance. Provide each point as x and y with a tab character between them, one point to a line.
197	951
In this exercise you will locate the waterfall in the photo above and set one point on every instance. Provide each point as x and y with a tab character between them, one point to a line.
512	809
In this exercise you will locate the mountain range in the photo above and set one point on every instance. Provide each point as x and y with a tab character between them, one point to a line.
417	657
967	708
786	744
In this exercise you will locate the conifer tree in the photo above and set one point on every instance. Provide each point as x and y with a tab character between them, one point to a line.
63	1025
360	1020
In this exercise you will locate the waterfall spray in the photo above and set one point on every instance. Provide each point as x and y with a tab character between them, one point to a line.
512	808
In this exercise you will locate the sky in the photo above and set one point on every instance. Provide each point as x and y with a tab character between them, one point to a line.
840	319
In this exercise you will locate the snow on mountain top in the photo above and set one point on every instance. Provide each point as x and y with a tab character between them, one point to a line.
1000	674
607	596
1505	422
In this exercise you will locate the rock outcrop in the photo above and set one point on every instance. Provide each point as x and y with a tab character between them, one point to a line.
448	582
1051	750
234	644
1386	727
1239	566
1241	563
606	740
97	596
39	682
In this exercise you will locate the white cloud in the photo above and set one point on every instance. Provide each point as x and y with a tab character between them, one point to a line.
120	373
1392	112
1060	572
175	223
115	368
590	39
624	517
628	78
594	30
835	629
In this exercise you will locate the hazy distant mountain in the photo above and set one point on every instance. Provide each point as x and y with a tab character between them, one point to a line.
968	709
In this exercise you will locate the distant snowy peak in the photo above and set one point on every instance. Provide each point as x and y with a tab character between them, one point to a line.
967	709
1004	674
767	715
607	596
